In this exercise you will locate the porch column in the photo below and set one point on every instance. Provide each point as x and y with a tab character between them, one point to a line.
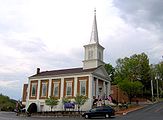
90	87
108	88
97	88
104	87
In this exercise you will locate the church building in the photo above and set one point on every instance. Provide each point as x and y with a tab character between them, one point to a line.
90	80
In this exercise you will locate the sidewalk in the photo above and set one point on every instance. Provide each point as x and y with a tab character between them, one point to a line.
130	109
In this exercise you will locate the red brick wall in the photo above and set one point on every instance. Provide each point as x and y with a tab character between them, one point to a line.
118	94
24	92
122	97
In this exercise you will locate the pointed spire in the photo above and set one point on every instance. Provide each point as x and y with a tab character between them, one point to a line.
94	34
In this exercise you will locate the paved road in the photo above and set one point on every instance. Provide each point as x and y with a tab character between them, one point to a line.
151	112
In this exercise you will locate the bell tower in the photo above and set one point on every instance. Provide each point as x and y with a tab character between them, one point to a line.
93	56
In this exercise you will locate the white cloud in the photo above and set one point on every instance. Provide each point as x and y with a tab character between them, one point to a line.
147	16
9	84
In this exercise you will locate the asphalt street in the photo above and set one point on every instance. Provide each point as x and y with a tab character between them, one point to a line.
151	112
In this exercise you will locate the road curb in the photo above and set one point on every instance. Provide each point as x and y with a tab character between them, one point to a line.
125	112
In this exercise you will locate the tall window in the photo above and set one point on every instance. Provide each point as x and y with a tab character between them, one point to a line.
44	89
34	86
82	84
69	88
56	88
83	87
33	89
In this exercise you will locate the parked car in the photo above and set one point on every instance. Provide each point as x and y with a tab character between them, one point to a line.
101	111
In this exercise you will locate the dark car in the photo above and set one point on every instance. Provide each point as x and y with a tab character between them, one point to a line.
101	111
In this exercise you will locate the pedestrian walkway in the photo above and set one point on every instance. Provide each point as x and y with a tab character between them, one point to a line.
130	109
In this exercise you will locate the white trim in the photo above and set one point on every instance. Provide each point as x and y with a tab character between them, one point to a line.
71	85
49	89
62	88
85	82
42	89
55	84
75	85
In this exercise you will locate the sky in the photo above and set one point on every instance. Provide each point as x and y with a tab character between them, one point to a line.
50	35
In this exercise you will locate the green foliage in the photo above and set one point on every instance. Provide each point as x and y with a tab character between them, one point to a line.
65	100
51	101
134	68
132	88
156	72
110	70
80	100
159	70
152	71
6	104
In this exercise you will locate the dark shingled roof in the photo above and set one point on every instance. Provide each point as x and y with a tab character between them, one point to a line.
63	71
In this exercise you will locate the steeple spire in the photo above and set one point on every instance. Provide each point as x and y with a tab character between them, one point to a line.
94	34
93	51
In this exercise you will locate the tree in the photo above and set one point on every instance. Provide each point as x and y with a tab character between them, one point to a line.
7	104
159	76
65	100
51	101
156	71
145	73
159	70
134	68
131	88
110	70
80	100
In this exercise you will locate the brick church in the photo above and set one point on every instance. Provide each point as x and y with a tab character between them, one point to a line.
90	80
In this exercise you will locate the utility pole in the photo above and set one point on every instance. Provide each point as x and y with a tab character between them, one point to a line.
152	89
157	87
152	79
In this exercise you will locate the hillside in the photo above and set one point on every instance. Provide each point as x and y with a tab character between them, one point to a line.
6	104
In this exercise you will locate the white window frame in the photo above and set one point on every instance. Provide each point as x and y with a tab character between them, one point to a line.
85	86
34	85
69	84
56	84
42	89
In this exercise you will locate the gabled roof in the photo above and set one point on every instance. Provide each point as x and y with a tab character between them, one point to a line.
63	71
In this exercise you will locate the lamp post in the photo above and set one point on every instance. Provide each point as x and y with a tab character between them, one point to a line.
156	78
152	89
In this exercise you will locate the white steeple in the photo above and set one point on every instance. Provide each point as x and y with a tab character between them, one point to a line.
94	34
93	51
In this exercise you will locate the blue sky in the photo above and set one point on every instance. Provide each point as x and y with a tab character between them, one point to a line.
50	34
